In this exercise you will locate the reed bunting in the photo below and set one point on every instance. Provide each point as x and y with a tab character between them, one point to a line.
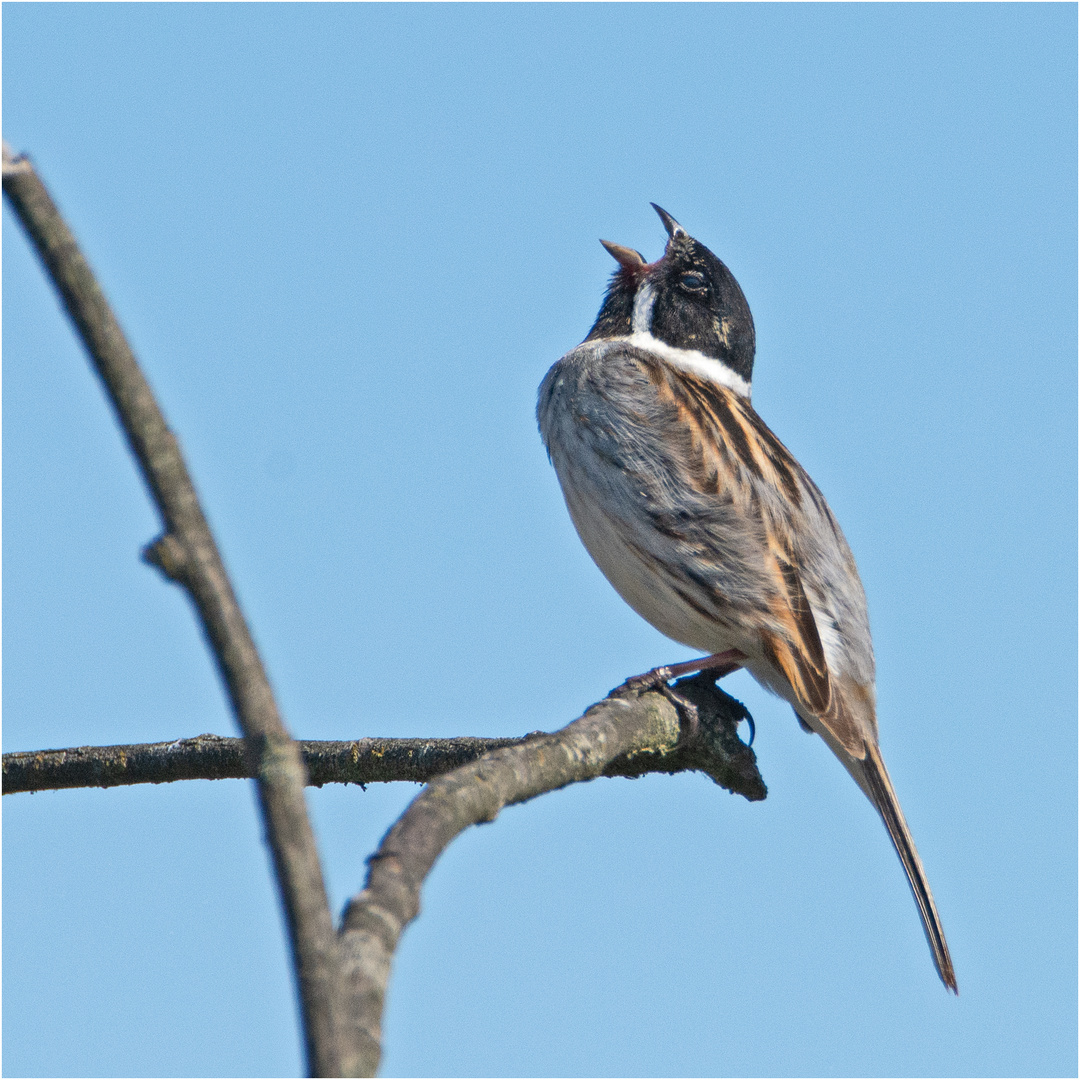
704	522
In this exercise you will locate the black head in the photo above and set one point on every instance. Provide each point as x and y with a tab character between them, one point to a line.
688	300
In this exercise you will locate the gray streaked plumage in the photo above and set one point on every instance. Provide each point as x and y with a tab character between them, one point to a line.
704	522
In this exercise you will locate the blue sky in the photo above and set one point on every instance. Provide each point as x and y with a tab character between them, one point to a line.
347	242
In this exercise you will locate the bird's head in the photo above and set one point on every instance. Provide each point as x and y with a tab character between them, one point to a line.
687	300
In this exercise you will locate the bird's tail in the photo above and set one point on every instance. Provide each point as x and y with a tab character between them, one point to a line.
879	787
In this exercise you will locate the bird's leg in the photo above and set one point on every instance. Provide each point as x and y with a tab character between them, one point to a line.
718	665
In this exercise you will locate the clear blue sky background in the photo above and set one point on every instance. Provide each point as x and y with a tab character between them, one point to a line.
347	242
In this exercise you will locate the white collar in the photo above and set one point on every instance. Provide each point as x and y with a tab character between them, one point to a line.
692	360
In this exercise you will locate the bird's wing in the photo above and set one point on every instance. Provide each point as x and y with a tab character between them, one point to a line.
796	648
748	537
726	448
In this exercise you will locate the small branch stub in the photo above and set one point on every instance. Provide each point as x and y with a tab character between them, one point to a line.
169	556
15	163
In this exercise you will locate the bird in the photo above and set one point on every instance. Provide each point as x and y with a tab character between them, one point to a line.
704	522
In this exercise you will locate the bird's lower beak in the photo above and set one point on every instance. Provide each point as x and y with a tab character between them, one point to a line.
627	258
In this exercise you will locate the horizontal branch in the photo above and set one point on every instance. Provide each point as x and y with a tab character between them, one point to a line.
212	757
356	761
625	734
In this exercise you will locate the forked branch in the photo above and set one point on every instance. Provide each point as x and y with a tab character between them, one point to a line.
342	976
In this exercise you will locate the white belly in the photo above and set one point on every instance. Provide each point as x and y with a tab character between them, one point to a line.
645	585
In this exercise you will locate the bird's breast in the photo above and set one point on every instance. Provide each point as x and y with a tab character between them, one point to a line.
609	436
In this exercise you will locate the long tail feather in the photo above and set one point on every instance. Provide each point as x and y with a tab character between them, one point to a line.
879	787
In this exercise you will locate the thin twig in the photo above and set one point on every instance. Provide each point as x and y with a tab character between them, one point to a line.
187	553
620	728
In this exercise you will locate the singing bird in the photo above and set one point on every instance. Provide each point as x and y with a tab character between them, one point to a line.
705	523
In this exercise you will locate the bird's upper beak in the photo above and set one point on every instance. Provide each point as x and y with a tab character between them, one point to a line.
674	230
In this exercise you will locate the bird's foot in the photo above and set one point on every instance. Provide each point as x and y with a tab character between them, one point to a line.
717	665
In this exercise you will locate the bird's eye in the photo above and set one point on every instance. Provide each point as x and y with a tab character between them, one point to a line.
694	281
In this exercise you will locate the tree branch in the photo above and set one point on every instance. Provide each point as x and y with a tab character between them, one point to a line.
188	554
212	757
623	730
356	761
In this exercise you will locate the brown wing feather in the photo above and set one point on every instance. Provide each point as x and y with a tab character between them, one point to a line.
800	656
798	652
